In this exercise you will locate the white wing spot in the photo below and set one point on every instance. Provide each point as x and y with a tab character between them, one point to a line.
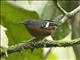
47	25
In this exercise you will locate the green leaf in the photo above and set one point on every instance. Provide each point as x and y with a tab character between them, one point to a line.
26	55
11	16
62	31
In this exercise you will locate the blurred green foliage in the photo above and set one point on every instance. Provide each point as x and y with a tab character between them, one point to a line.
11	16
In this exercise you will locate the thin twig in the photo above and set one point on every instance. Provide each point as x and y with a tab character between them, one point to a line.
74	11
60	7
70	14
64	11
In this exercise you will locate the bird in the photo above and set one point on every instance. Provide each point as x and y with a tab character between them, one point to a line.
42	28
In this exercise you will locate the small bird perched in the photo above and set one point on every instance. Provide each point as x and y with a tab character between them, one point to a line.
42	28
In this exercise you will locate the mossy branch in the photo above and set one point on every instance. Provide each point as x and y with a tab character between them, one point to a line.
40	44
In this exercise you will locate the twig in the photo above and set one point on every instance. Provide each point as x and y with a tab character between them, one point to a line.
60	7
66	14
48	53
40	44
74	11
70	14
64	11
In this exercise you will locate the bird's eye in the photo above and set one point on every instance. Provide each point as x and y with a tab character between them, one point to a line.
43	25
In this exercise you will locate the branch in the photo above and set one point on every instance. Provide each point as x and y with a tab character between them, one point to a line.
60	7
40	44
74	11
64	11
70	14
66	14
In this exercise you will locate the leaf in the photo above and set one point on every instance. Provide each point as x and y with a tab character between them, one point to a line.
62	31
11	16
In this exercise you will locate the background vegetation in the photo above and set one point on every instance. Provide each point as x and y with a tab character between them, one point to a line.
14	12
